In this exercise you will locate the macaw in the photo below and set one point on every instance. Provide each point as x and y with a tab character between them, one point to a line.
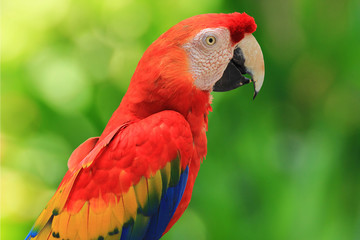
136	179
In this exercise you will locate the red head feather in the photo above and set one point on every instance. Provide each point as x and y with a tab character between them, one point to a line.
237	23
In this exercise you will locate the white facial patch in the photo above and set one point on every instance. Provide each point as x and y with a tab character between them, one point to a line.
209	54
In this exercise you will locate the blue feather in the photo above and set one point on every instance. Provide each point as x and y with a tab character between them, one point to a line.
168	205
153	228
31	234
126	230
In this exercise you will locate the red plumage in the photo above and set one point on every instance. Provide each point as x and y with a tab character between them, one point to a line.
142	154
162	117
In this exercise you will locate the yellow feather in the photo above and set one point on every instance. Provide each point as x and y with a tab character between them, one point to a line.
141	192
55	223
130	204
118	211
43	218
51	237
165	175
100	224
81	219
114	224
71	231
155	188
45	232
113	237
105	226
95	220
56	204
63	192
155	183
63	219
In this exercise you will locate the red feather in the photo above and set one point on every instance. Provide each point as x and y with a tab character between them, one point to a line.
162	117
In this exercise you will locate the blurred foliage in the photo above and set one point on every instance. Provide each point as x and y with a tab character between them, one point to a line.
285	166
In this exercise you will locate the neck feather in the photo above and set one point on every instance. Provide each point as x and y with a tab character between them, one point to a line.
162	81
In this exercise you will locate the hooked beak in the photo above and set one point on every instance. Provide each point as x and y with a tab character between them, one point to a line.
247	59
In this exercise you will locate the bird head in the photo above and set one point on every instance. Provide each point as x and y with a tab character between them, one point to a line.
221	50
204	53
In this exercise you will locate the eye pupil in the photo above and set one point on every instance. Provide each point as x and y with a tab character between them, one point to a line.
210	40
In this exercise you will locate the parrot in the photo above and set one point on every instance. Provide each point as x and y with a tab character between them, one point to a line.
136	180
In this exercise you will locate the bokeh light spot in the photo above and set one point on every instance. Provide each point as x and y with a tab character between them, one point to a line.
60	81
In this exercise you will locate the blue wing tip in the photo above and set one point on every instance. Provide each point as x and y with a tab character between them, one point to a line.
31	234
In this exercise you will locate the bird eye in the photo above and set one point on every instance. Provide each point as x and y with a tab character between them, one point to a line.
210	40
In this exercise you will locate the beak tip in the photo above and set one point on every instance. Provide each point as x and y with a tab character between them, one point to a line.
257	85
256	89
255	94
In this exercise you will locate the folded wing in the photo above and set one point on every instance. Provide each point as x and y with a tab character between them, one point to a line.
127	186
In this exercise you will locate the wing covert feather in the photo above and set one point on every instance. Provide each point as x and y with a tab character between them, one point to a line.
127	186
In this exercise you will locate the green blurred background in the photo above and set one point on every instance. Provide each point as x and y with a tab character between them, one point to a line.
285	166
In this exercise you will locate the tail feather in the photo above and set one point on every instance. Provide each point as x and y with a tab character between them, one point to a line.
143	212
54	207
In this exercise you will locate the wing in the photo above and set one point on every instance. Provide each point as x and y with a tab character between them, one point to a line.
128	186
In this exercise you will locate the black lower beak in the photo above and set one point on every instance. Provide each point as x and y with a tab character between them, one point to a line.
233	76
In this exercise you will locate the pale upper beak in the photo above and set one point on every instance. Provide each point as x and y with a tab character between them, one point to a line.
247	59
